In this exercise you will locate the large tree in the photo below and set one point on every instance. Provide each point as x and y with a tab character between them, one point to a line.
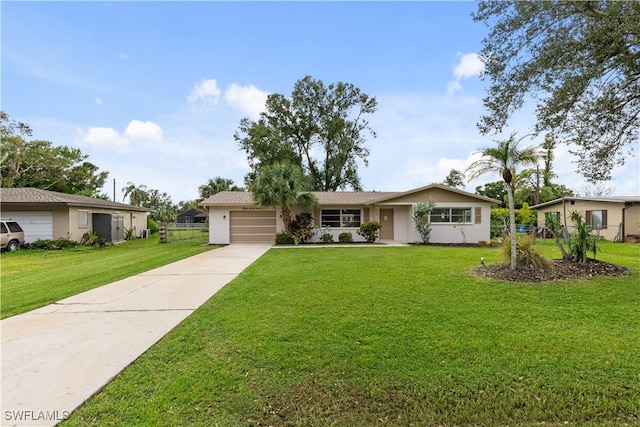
580	60
137	194
216	185
454	179
40	164
504	159
320	128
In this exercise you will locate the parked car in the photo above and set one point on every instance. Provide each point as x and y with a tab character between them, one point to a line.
11	236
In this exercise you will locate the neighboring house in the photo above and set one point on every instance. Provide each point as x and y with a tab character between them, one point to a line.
192	216
612	217
459	216
50	215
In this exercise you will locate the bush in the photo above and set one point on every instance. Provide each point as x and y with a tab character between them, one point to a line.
525	255
369	230
284	238
52	245
345	237
152	225
325	234
301	227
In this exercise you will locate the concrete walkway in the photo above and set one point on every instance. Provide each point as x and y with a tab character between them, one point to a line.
56	357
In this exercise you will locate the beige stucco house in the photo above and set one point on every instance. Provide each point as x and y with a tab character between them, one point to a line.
50	215
458	217
612	218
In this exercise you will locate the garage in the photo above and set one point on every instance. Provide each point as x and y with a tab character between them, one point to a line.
36	224
252	226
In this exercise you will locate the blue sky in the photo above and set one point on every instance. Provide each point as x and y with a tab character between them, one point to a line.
154	91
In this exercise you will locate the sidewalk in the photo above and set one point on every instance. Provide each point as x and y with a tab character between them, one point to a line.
56	357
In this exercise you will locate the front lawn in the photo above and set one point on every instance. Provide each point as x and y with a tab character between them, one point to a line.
32	279
365	336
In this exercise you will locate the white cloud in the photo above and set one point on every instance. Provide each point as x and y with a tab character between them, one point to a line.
110	139
98	101
470	65
99	137
248	99
123	55
147	131
206	91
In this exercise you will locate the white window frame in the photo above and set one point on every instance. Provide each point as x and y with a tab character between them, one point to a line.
345	217
81	223
445	215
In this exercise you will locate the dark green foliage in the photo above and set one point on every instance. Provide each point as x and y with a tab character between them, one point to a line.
284	238
369	230
52	245
345	237
579	61
41	164
582	240
319	128
301	227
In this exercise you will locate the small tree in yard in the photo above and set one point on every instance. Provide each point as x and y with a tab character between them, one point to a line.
369	230
419	212
582	241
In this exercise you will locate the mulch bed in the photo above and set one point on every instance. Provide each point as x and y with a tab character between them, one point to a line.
560	270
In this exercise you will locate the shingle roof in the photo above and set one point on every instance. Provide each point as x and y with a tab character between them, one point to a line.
336	198
36	196
609	199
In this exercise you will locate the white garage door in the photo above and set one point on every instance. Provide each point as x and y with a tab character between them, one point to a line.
36	224
252	226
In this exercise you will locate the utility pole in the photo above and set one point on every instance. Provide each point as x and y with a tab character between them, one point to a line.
114	189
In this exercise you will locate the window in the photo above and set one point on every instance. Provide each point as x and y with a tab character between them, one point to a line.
450	215
341	218
83	218
597	219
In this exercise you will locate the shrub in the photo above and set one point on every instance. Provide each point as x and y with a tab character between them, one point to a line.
369	230
301	227
345	237
284	238
52	245
325	234
525	255
152	225
419	212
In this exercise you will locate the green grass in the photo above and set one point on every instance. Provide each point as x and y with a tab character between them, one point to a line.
32	279
390	336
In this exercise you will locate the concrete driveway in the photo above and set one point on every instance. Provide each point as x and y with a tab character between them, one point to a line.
56	357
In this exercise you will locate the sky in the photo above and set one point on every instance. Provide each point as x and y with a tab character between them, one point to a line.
153	92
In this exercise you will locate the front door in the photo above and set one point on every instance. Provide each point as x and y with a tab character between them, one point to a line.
386	220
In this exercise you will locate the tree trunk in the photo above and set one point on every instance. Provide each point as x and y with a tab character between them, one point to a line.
286	218
512	226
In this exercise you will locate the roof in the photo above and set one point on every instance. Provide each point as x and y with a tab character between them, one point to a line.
38	197
609	199
337	198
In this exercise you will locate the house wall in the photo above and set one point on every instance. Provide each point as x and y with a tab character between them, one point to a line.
132	219
614	215
405	231
335	231
632	220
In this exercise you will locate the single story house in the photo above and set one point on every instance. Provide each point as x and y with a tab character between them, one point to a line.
458	216
612	218
47	214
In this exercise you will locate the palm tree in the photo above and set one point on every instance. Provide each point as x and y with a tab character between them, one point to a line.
216	185
137	195
504	159
282	184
